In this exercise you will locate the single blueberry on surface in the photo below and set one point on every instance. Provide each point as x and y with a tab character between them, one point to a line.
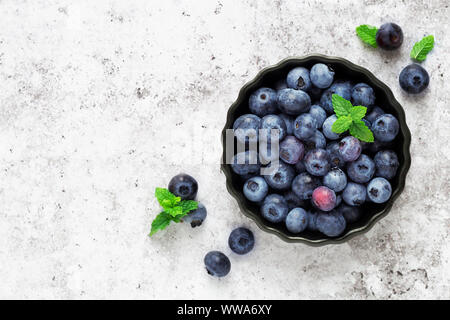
316	141
273	122
362	169
317	162
335	179
331	224
255	189
299	78
293	102
241	241
350	148
363	95
183	186
245	163
217	264
196	217
341	88
385	127
304	184
293	201
319	114
246	128
351	214
326	128
354	194
379	190
274	208
291	150
321	75
263	102
289	121
297	220
281	178
324	199
304	126
414	78
389	36
386	164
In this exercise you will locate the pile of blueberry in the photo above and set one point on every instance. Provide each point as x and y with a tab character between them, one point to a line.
323	177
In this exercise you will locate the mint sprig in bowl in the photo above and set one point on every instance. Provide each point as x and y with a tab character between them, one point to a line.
350	124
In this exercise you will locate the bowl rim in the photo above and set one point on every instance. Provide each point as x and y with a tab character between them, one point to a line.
225	168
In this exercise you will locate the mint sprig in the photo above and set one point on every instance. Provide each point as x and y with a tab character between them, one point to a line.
367	34
350	118
174	209
422	48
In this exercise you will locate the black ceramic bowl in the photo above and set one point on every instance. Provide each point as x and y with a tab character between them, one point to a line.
344	69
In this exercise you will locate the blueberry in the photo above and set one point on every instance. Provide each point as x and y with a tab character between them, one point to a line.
304	184
321	75
298	78
312	220
289	121
326	128
389	36
414	78
247	162
297	220
270	122
293	102
183	186
304	126
324	198
374	113
317	162
316	141
319	114
334	155
241	241
293	201
341	88
350	148
385	127
255	189
300	167
196	217
274	208
379	190
246	128
263	102
291	150
361	170
354	194
351	214
217	264
386	164
335	179
331	224
281	178
363	95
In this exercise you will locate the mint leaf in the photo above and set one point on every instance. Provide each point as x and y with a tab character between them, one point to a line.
341	106
359	130
161	222
174	211
358	112
422	48
342	124
367	34
188	205
166	198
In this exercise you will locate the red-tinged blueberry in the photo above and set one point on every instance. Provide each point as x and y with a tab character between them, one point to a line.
217	264
379	190
389	36
241	241
274	208
297	220
324	198
331	224
350	148
291	150
183	186
386	164
414	78
196	217
263	102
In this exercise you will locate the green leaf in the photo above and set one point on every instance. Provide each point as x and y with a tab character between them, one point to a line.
342	124
174	211
367	34
341	106
358	112
161	222
422	48
188	205
166	198
359	130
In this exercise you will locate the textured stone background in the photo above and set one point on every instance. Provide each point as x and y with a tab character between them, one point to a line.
102	101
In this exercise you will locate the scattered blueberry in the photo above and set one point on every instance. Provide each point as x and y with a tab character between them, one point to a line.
241	241
363	95
196	217
354	194
385	127
297	220
183	186
246	128
389	36
335	179
263	102
331	224
414	78
350	148
326	128
379	190
274	208
304	184
361	170
321	75
304	126
386	164
256	189
291	150
217	264
293	102
299	78
317	162
324	198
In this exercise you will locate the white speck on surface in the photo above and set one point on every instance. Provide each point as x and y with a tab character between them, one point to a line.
102	101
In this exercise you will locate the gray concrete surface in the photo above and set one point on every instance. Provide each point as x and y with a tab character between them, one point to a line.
102	101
